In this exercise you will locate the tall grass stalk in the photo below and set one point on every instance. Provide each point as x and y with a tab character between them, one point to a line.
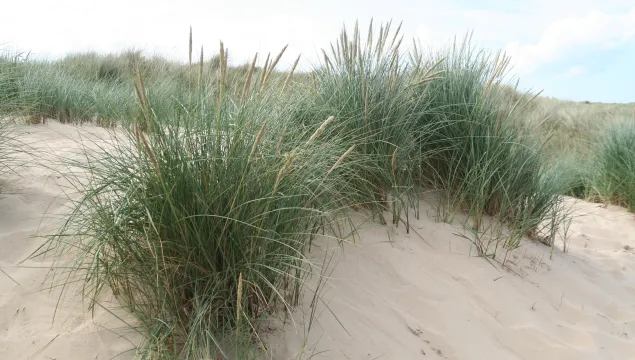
370	93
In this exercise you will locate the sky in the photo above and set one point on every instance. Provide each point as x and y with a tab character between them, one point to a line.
582	50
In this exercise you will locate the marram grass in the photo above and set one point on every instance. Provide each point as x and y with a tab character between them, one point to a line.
10	146
480	155
199	211
200	225
611	172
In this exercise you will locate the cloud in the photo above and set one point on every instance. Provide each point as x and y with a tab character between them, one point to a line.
535	32
574	71
595	31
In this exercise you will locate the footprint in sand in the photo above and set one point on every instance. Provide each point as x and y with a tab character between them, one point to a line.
432	350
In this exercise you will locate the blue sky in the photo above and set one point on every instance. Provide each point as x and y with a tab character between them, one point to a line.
573	49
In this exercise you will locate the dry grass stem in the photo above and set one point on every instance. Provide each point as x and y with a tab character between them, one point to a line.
250	74
341	158
321	129
286	81
258	137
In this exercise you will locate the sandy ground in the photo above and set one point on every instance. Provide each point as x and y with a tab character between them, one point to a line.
424	297
403	296
30	203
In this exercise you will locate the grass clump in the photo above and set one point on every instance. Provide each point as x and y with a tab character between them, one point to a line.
573	127
50	92
376	98
200	223
440	121
9	105
481	156
612	166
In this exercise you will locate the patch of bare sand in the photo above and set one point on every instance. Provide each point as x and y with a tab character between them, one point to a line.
30	204
425	297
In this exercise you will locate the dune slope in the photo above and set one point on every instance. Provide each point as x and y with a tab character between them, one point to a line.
406	296
388	294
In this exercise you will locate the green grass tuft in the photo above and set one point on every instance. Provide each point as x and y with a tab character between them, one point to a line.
480	155
612	166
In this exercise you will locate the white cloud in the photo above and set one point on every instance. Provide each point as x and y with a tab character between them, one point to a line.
596	30
535	32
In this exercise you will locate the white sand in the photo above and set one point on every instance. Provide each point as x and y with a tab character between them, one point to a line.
407	298
416	299
27	304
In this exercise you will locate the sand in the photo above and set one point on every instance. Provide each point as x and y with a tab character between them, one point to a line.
30	204
405	296
425	297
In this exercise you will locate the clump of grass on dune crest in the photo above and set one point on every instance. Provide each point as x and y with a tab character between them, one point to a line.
480	155
612	165
574	127
119	67
363	80
91	87
50	92
441	121
200	222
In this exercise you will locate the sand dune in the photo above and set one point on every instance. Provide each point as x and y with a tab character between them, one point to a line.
403	296
29	205
414	298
